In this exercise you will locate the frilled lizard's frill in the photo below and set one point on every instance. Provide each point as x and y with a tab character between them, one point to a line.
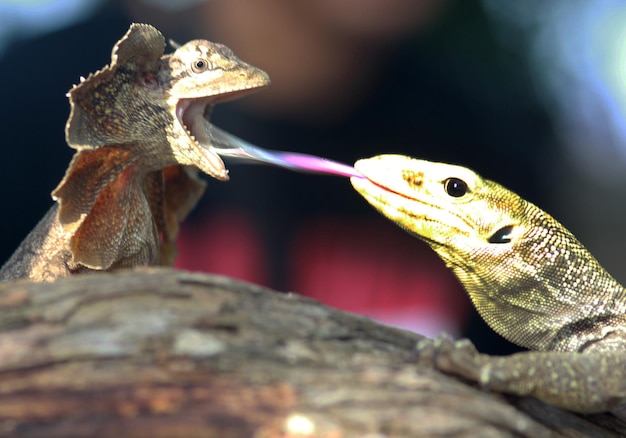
97	117
118	217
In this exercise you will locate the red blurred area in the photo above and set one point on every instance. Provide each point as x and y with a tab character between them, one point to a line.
364	266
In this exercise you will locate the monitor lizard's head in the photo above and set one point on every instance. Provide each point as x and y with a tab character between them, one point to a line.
158	104
528	276
458	213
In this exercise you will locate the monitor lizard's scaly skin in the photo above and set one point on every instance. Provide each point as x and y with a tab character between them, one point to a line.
140	127
530	279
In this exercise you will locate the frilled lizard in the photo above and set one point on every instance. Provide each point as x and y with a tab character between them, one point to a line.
528	276
138	125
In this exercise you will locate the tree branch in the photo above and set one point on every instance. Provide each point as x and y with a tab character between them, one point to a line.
161	353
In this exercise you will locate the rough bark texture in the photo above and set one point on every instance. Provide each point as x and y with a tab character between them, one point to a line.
163	353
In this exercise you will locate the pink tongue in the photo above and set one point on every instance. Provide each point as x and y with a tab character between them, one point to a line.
311	163
227	145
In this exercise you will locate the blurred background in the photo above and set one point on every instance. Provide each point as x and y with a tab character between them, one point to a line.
529	94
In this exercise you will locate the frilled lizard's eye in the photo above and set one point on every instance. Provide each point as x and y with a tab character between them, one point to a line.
455	187
200	65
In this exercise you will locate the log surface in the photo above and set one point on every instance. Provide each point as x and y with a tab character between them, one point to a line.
166	353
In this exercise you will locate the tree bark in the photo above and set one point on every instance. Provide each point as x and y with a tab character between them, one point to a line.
165	353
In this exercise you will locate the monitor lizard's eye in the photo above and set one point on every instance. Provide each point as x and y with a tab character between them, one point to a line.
199	65
455	187
503	235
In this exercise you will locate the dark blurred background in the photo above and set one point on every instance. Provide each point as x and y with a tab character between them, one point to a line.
528	94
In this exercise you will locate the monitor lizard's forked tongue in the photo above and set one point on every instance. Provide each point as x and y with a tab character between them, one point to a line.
228	146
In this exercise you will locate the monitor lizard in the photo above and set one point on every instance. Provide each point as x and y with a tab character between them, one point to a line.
530	279
140	127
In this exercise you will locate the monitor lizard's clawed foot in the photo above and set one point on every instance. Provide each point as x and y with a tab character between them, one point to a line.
451	357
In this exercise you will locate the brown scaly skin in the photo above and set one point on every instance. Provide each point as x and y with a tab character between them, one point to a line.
529	278
140	129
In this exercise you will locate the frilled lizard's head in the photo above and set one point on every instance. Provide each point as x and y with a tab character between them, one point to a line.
201	74
159	103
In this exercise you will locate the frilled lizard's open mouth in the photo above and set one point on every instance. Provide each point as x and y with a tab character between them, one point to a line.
190	114
193	114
